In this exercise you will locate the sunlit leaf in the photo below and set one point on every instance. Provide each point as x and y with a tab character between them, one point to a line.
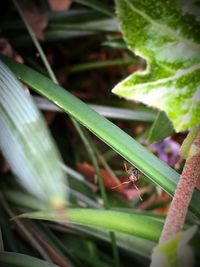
134	223
175	252
167	35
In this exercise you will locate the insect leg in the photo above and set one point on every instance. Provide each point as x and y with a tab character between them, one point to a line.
121	184
125	167
138	191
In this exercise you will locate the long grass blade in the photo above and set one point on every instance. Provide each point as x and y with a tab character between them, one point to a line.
156	170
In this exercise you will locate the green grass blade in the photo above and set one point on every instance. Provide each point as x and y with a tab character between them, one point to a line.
23	200
97	65
95	26
130	223
161	128
133	244
106	111
97	5
21	260
156	170
33	241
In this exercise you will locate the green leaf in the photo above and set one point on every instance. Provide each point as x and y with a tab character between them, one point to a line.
133	244
134	223
167	35
97	5
125	145
21	260
97	25
161	128
107	111
175	252
24	200
27	144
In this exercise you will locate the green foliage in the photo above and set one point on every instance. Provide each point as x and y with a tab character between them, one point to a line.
175	252
167	35
99	227
161	128
136	224
21	260
97	5
117	139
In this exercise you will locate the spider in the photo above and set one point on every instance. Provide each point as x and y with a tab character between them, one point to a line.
133	176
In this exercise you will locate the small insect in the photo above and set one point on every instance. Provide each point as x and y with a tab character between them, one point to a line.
133	177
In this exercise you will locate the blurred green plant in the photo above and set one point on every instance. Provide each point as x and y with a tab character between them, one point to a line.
25	142
76	241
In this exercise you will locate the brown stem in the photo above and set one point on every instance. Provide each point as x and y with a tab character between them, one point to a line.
183	194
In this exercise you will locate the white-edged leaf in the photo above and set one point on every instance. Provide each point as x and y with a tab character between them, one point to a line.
26	143
167	35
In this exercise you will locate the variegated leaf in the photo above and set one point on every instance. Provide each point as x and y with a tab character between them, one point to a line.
167	35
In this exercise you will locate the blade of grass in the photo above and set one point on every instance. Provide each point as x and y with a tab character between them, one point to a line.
91	152
73	16
132	244
36	43
21	260
55	254
93	26
74	252
31	239
126	146
23	200
161	128
97	65
97	5
109	112
9	238
130	223
76	175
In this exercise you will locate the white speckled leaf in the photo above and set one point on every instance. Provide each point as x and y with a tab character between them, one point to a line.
167	35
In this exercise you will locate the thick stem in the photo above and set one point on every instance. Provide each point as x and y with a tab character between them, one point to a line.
179	206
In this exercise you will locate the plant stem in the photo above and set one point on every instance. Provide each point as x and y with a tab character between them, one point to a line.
179	206
98	65
91	150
